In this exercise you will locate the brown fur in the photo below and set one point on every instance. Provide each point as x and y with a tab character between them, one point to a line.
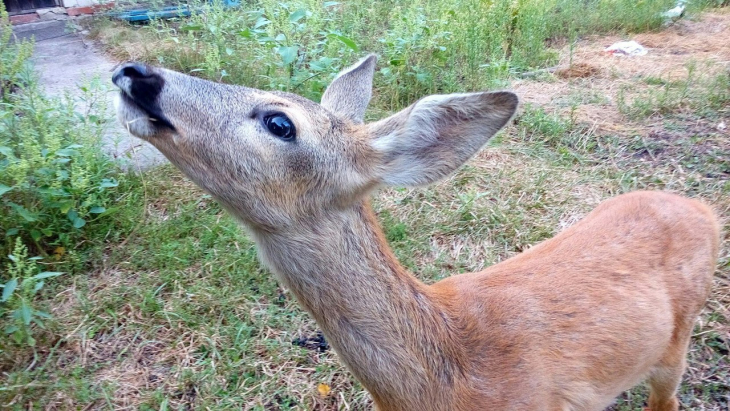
567	325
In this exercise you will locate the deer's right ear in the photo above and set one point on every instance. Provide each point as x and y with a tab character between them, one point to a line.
349	93
430	139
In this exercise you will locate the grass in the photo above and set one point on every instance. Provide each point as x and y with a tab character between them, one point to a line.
172	310
426	46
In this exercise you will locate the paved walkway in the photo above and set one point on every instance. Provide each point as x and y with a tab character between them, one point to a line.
65	60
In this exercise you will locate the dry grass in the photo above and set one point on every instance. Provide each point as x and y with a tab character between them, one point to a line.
587	70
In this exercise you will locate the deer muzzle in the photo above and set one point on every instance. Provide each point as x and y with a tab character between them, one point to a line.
138	104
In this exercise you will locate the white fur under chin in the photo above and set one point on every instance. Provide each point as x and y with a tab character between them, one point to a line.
133	119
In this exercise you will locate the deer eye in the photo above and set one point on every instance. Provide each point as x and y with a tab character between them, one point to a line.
280	126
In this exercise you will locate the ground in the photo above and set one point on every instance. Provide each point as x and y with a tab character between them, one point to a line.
177	314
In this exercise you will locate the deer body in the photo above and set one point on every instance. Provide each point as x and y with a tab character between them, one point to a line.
567	325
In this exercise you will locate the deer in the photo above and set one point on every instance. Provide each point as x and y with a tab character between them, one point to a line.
568	324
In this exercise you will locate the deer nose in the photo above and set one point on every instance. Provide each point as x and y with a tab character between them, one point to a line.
130	70
141	86
140	82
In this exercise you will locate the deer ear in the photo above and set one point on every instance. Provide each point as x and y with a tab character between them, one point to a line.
432	138
349	93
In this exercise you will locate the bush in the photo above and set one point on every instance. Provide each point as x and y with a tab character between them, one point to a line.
56	186
13	56
54	178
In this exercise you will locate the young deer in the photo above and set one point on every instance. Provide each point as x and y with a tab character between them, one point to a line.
567	325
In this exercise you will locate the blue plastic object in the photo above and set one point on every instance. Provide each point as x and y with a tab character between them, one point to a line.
145	14
137	15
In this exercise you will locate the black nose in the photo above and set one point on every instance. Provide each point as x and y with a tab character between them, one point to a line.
142	85
140	82
131	70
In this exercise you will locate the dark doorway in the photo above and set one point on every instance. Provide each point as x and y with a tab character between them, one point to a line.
19	6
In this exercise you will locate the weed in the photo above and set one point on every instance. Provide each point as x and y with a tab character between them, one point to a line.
13	56
704	90
54	178
22	283
426	46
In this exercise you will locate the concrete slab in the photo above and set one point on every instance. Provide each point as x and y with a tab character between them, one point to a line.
42	30
64	61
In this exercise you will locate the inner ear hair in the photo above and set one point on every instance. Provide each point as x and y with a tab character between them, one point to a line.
432	138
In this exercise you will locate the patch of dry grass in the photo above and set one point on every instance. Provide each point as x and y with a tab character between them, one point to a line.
587	69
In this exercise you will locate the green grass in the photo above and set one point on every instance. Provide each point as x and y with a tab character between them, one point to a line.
168	307
426	46
703	90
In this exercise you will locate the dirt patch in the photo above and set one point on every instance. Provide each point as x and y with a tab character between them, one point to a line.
589	70
134	368
577	70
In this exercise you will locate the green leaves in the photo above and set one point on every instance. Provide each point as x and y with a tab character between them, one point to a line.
46	274
108	183
23	212
54	181
77	221
345	40
288	54
261	22
191	27
297	15
65	205
24	312
8	289
67	152
19	293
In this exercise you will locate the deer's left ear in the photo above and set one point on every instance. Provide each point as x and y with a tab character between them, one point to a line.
432	138
349	94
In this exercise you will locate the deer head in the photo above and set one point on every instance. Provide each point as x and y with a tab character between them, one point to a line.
273	158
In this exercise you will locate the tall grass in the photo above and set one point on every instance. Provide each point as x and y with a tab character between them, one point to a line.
426	46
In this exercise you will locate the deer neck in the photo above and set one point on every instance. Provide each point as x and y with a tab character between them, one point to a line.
390	329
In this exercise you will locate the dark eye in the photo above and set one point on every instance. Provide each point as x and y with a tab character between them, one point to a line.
280	126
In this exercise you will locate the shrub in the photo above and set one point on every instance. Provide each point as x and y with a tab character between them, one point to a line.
54	178
20	283
55	183
13	56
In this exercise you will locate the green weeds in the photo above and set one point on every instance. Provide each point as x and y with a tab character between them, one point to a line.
426	46
57	194
703	90
23	282
54	179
